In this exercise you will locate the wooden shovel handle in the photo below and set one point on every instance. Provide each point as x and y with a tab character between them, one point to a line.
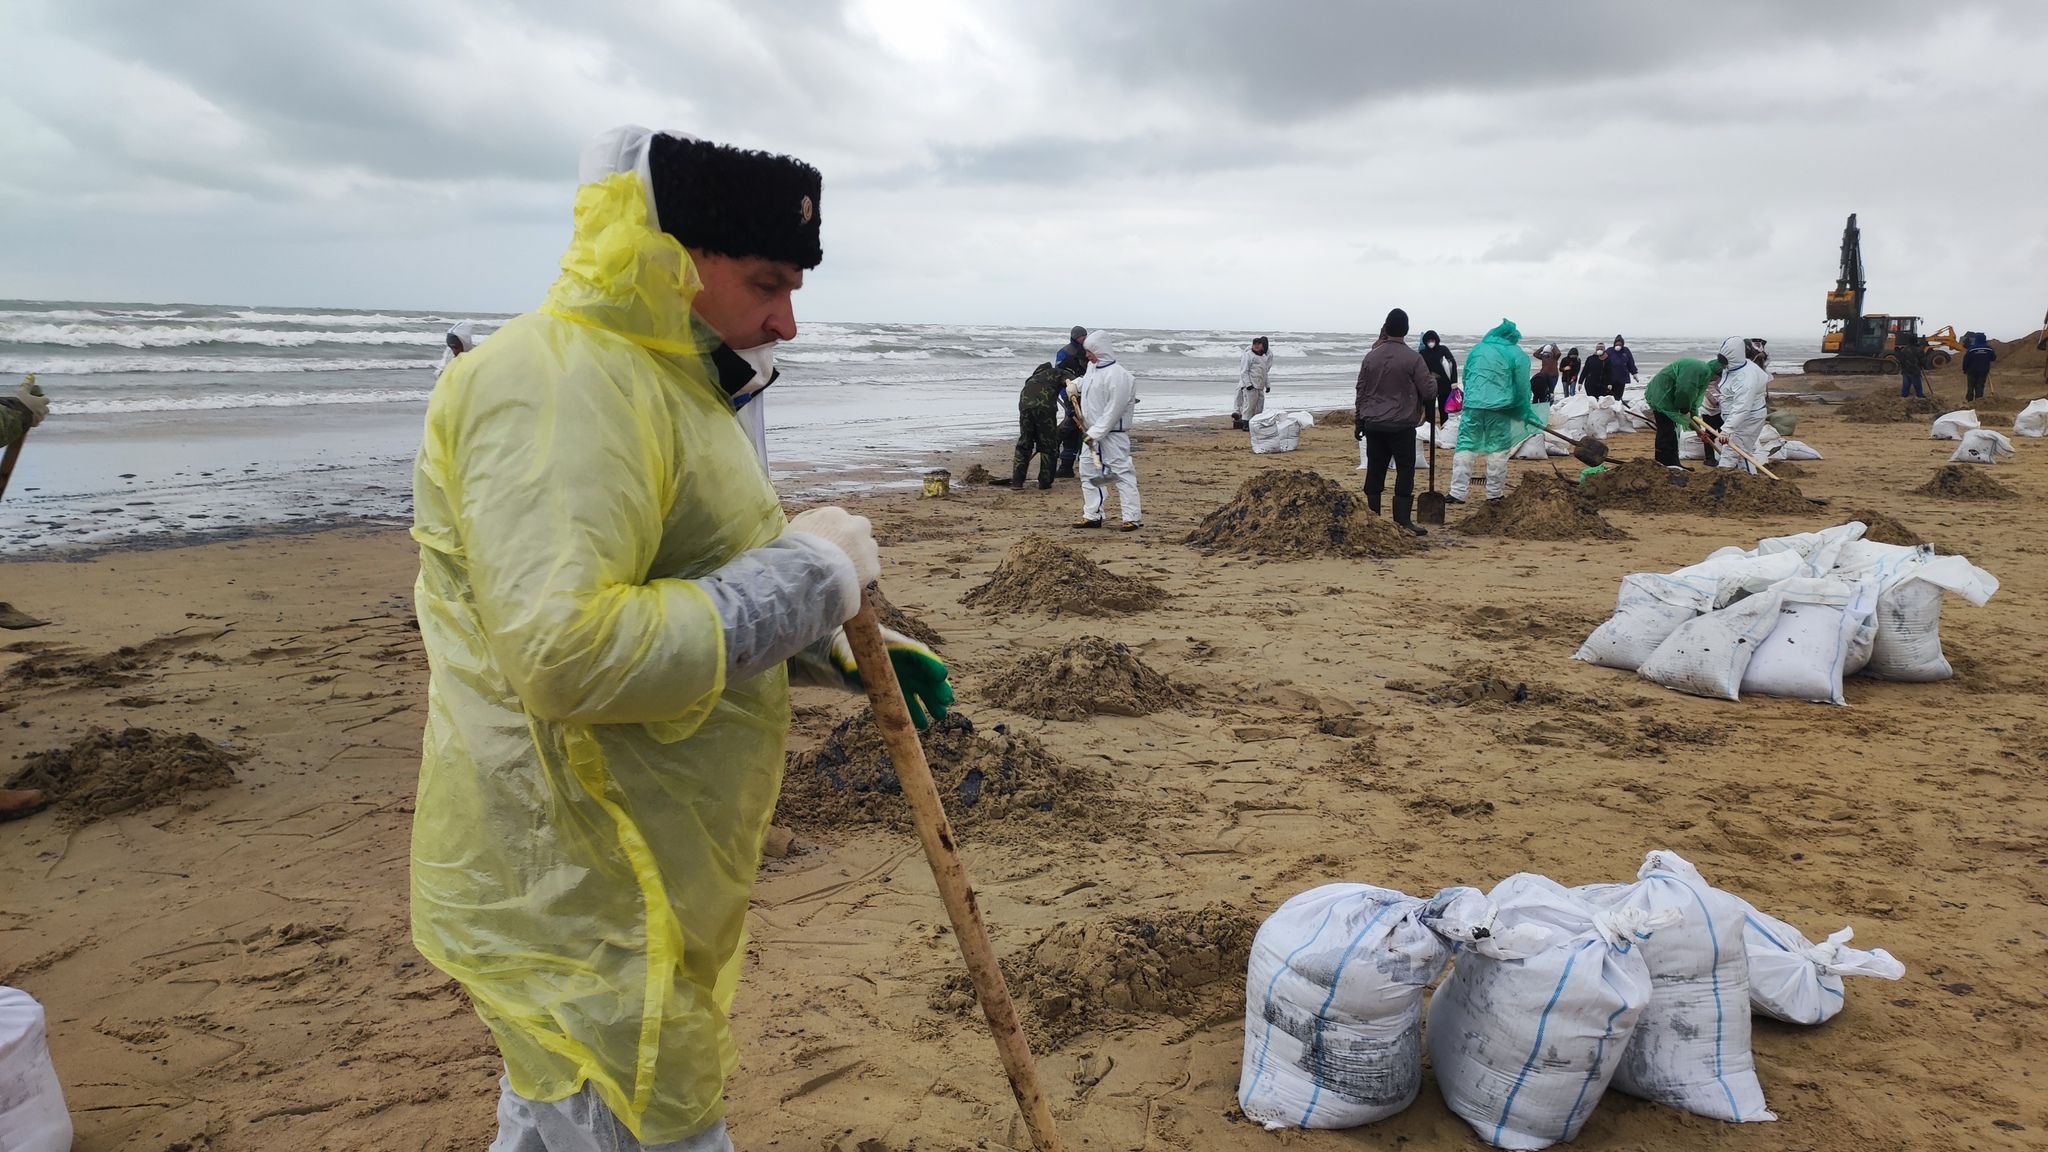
7	462
892	716
1707	430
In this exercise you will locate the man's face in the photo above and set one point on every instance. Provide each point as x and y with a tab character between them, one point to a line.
746	299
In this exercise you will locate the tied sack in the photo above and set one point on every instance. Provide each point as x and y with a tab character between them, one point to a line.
1333	1001
32	1113
1707	655
1649	608
1800	982
1826	630
1981	446
1279	431
1690	1049
1952	425
1524	1038
2032	420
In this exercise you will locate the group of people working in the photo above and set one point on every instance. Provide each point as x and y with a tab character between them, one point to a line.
1074	414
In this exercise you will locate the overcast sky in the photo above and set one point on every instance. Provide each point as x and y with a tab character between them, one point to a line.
1578	165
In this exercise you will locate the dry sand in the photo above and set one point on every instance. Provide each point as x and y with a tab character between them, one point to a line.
233	971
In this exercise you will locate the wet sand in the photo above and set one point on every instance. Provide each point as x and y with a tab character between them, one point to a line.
233	970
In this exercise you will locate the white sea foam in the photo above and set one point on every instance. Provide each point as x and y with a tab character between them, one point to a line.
107	365
185	335
220	402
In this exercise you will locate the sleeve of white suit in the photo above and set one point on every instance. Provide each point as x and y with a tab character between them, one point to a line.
776	600
1244	369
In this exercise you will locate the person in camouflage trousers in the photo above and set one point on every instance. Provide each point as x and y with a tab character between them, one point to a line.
1038	425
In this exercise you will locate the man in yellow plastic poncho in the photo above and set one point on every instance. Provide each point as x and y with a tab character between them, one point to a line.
608	593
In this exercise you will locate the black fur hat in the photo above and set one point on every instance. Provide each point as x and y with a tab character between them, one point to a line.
735	202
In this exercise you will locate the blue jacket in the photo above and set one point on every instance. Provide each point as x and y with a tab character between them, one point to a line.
1977	361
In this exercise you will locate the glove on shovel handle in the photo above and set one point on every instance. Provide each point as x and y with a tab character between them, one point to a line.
1707	430
892	716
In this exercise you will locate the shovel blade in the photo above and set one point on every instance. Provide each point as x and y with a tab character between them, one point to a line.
1591	453
1429	507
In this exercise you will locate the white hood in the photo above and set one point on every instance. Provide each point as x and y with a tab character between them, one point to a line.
1732	349
1098	343
623	149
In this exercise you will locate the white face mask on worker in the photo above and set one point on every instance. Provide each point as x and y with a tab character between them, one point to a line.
761	357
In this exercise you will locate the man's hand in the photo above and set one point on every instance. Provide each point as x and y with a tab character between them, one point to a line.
919	671
30	396
854	535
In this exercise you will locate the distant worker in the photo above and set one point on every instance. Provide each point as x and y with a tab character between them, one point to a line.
1444	367
1543	385
1253	369
1912	361
1073	360
1675	395
1745	400
1977	367
1104	397
1621	369
1497	413
461	338
1395	392
1595	375
19	413
1568	372
1038	427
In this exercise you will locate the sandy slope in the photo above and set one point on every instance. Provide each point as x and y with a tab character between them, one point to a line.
235	973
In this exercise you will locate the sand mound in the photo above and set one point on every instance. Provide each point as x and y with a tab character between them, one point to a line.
850	779
976	474
106	773
1479	684
1965	482
1880	409
1038	575
1298	514
890	616
1080	977
1542	507
1088	676
1647	486
1885	529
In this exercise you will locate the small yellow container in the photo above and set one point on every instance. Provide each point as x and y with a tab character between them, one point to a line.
938	484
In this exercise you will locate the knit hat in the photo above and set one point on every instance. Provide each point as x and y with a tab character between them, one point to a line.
1397	323
736	202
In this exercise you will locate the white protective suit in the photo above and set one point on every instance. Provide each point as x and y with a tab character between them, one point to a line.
1252	370
464	331
1107	393
1745	402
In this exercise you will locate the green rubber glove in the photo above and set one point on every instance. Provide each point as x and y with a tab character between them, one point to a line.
919	671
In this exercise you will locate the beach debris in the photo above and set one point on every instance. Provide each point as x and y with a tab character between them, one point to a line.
1543	506
106	773
976	475
1960	482
1298	514
1647	486
1479	683
14	618
1083	677
1040	575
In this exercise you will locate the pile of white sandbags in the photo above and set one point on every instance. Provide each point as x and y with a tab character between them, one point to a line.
1278	431
32	1113
1446	436
1553	993
1791	617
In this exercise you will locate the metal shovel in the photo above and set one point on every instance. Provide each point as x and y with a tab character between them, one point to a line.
1429	507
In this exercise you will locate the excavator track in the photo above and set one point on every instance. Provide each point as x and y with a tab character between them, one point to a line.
1852	366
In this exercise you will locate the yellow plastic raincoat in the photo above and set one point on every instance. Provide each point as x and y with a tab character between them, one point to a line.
593	795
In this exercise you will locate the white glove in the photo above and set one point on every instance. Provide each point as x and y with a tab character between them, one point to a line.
32	398
853	535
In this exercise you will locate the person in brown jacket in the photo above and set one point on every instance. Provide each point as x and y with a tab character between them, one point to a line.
1395	390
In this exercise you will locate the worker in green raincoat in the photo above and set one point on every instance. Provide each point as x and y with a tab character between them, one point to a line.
1499	413
1675	394
612	604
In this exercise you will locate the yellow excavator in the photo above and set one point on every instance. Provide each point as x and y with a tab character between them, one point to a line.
1862	345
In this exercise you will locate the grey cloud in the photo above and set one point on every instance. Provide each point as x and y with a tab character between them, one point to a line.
1704	236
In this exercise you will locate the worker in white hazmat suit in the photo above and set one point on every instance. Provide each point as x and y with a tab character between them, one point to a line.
1745	401
613	607
1104	396
461	338
1254	368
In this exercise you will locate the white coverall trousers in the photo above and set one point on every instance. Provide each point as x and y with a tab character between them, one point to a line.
581	1123
1496	474
1251	400
1114	469
1743	431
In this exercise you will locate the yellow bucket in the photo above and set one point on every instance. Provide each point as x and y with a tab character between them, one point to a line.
938	484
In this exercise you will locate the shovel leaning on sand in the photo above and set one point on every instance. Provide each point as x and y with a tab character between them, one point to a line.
1429	507
892	716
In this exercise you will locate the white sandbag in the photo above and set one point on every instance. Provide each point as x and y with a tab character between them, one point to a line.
1446	434
1541	446
1739	573
1982	446
1689	446
1908	645
1820	622
2032	420
1800	982
1707	655
1279	431
1649	608
1602	418
32	1113
1820	550
1333	1001
1524	1047
1569	415
1794	450
1691	1049
1635	416
1952	425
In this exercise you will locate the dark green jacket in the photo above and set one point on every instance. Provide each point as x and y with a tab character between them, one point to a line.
1678	389
1042	391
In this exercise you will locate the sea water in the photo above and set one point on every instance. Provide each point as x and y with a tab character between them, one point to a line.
169	421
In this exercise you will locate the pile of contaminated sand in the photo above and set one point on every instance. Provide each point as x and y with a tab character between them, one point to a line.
1038	575
1883	409
1088	676
1298	514
1542	507
892	617
976	474
850	779
1479	683
1088	977
1883	528
1965	482
107	773
1647	486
